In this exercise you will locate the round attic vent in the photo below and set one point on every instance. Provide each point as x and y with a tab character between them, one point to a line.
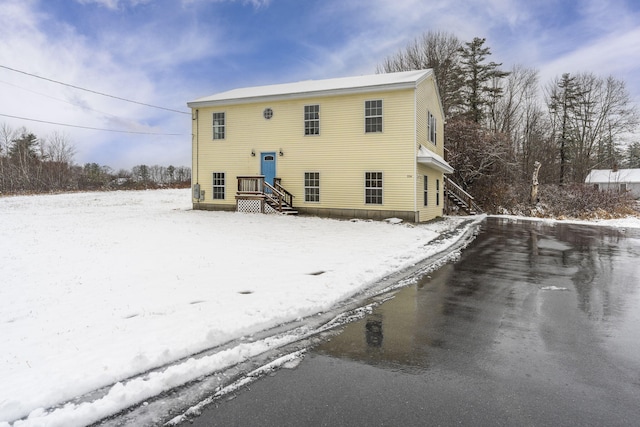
267	113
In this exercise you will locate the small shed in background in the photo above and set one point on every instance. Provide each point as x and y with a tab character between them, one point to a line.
621	180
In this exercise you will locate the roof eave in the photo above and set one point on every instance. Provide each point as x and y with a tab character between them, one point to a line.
301	95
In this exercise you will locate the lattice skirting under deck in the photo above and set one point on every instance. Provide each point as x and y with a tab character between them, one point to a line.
254	206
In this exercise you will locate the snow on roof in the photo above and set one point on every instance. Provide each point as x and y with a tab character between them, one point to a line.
608	175
374	82
430	158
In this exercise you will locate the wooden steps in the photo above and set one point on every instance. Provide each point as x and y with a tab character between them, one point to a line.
463	200
256	195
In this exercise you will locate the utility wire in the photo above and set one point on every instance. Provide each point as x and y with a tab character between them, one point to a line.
87	127
92	91
84	107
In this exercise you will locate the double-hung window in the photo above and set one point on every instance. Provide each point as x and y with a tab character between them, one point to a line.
312	186
373	188
218	186
312	119
426	190
431	126
373	116
219	125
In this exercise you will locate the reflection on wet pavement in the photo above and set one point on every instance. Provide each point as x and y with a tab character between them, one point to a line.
510	277
536	324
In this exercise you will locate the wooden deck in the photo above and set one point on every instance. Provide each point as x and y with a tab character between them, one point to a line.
254	194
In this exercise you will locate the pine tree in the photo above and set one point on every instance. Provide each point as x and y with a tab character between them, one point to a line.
480	78
633	155
24	149
562	105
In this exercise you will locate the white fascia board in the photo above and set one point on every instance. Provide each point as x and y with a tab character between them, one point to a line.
444	167
303	95
431	159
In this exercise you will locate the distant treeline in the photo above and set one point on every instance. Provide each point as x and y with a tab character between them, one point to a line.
29	164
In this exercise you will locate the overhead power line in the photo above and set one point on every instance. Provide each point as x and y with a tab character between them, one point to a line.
84	107
92	128
92	91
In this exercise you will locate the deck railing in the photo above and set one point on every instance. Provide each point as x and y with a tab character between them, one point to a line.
256	188
251	184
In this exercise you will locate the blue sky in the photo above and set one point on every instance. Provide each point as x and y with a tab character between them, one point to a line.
168	52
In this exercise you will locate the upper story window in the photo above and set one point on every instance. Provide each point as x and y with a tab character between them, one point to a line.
431	126
219	125
312	119
373	116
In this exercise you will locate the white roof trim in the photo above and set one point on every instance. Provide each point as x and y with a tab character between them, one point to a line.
315	88
429	158
605	176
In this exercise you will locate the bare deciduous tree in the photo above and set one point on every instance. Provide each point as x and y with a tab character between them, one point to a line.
58	153
439	51
589	116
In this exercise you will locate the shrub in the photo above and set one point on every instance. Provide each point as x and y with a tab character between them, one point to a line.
571	201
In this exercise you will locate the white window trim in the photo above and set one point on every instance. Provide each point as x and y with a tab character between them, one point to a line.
374	188
425	190
223	186
432	128
311	120
381	115
304	177
213	126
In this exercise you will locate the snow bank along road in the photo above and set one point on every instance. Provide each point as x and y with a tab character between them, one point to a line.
106	297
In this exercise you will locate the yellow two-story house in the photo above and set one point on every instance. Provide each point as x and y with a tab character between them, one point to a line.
355	147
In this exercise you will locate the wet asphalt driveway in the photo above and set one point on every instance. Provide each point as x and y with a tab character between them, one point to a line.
536	324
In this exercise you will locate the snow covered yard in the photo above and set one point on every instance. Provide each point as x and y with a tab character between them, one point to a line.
98	287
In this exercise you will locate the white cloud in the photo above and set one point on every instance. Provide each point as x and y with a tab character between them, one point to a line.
602	37
255	3
181	50
33	42
114	4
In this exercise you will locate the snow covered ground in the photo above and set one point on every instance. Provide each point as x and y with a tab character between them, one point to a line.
96	288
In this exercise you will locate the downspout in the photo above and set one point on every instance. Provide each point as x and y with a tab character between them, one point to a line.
197	163
415	155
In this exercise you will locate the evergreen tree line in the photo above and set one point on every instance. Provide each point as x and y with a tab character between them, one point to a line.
29	164
499	123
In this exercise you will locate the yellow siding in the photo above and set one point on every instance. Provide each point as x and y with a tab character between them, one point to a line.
434	206
427	101
342	153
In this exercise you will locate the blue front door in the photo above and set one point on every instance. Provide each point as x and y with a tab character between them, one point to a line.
268	166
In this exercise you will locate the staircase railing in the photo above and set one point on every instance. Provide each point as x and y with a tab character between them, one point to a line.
256	188
467	199
276	196
288	197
